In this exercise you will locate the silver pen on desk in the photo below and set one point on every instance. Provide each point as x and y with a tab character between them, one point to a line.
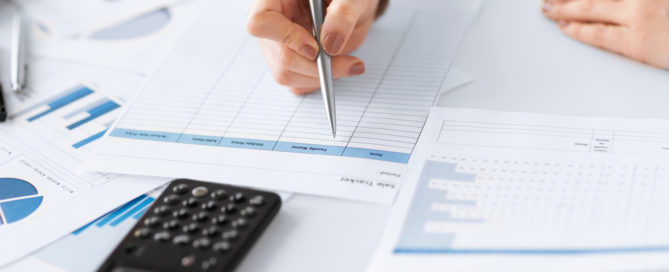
17	72
324	65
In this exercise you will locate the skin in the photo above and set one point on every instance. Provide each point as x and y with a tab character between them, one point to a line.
638	29
284	30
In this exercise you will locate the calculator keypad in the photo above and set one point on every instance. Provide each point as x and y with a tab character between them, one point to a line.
201	223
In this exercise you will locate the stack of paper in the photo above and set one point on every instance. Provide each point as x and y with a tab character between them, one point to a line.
209	99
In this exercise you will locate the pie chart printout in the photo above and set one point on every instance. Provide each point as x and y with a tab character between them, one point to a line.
18	199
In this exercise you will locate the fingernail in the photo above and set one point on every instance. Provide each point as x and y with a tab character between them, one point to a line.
357	69
563	23
333	42
546	7
308	51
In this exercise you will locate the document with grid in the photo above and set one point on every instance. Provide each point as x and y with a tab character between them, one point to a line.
532	192
213	111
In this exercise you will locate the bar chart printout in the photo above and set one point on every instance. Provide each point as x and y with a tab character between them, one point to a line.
79	113
51	133
236	124
533	191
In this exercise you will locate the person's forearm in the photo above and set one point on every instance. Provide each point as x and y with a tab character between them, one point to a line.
383	5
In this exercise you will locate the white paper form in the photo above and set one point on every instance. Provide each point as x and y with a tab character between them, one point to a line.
517	191
213	110
42	197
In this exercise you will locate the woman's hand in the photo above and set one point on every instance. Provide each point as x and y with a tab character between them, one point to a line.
638	29
284	28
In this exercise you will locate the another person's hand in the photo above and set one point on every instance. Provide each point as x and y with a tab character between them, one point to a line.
285	31
638	29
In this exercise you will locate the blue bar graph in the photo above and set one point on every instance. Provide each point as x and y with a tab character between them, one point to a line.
63	100
119	211
95	113
88	225
89	139
134	208
86	108
140	213
132	211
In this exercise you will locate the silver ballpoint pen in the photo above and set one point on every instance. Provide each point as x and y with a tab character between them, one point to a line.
324	65
17	72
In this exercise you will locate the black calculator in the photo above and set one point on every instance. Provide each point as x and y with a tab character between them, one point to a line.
195	226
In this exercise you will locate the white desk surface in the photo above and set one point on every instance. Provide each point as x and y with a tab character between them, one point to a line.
522	62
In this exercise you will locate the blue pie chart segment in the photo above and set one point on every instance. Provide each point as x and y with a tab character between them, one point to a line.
13	209
12	188
16	210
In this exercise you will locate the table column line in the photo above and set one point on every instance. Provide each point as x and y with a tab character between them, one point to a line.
385	73
213	87
255	86
297	108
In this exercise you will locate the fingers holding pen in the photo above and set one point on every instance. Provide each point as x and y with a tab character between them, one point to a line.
267	22
301	74
341	21
284	29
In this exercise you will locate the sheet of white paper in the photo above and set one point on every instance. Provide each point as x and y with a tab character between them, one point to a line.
42	197
213	111
529	192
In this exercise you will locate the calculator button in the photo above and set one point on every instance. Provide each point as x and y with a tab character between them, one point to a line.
188	261
201	243
239	223
230	234
201	216
209	263
151	221
181	213
221	246
199	191
257	200
181	239
162	236
191	227
229	208
171	199
142	233
180	188
190	203
161	210
237	197
210	231
248	212
218	194
171	225
209	205
219	219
